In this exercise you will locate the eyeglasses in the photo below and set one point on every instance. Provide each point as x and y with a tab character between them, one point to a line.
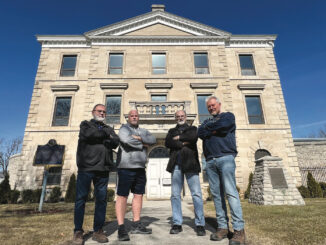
100	111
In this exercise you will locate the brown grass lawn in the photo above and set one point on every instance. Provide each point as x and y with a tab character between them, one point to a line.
283	225
22	224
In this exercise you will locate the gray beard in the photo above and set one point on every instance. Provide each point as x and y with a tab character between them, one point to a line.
181	123
99	119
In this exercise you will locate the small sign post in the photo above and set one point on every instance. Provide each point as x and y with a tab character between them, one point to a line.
45	179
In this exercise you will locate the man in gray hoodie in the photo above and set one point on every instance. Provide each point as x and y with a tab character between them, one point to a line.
132	157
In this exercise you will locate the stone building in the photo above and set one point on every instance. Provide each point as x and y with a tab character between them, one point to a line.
157	62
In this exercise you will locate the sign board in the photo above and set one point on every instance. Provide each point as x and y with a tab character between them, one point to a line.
277	178
49	155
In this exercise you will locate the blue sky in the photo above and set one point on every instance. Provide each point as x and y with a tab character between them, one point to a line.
300	48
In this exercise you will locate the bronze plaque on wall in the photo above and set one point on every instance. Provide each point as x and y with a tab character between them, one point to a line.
277	178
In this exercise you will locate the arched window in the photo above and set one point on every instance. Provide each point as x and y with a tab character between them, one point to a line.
159	152
261	153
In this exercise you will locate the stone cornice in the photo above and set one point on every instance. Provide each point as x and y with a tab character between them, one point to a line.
86	42
156	40
158	85
242	41
251	86
57	88
203	85
113	85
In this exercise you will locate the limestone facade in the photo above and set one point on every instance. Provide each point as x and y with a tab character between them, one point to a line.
137	38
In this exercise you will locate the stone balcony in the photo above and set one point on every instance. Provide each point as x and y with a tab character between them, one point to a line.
160	112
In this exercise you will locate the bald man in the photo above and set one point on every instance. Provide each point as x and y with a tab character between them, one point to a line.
132	157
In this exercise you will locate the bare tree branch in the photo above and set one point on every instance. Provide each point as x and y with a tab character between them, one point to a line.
8	148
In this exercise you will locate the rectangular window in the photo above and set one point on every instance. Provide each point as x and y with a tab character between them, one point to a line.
115	63
159	63
203	113
113	109
255	112
157	108
201	63
61	111
68	65
54	177
247	65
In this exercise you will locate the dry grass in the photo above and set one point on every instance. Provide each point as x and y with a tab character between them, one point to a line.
283	225
22	224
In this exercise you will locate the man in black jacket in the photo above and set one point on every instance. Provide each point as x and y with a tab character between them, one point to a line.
94	161
184	162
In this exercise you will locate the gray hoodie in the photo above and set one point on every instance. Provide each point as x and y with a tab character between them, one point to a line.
132	153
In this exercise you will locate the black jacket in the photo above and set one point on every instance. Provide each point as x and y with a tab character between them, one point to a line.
95	144
188	153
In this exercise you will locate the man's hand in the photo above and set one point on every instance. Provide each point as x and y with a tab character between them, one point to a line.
214	132
146	146
185	143
176	137
136	137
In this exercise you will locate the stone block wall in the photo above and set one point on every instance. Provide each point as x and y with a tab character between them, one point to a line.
311	155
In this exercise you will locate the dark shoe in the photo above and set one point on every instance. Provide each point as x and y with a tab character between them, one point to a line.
99	236
139	228
176	229
200	230
220	234
123	234
238	238
78	238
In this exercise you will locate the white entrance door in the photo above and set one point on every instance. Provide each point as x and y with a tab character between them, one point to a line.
158	179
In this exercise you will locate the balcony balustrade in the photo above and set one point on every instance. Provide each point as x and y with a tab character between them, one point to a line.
152	111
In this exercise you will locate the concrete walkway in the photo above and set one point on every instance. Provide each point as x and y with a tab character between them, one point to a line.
157	215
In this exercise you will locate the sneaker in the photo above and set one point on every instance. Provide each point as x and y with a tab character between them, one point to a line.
139	228
123	234
99	236
78	238
238	238
200	230
220	234
176	229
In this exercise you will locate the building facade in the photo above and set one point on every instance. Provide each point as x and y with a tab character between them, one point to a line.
158	63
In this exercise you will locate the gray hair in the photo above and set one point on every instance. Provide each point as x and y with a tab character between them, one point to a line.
212	97
175	114
133	110
97	106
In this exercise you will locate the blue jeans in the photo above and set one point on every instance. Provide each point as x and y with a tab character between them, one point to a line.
221	177
100	181
194	186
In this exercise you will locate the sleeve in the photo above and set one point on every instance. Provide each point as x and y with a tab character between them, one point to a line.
203	133
223	125
88	132
126	138
113	139
171	143
148	138
189	135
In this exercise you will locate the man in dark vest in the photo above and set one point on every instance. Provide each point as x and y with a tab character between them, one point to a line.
94	161
184	161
